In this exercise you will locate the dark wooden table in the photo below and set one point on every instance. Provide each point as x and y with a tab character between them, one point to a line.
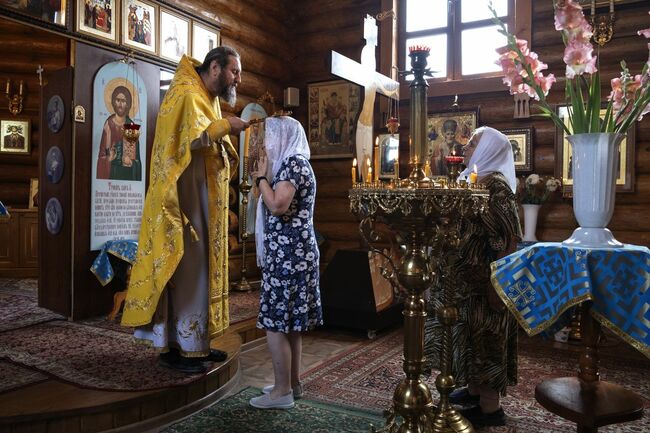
585	399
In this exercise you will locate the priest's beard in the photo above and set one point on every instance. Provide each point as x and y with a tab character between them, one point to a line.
228	91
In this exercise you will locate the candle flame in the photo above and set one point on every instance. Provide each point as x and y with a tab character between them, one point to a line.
354	162
475	169
376	141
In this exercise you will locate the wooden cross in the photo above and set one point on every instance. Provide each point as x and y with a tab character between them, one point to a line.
364	74
39	71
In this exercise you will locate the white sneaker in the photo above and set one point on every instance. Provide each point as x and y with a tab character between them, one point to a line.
265	401
297	391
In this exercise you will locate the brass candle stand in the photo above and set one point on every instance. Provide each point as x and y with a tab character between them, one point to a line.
244	187
430	220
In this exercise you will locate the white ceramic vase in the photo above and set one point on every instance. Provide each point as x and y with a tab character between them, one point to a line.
530	221
595	157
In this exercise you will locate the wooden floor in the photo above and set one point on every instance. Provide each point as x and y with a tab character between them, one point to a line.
54	406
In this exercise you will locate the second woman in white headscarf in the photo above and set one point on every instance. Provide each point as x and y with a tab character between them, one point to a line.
485	336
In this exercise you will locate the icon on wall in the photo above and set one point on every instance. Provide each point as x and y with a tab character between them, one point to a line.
54	164
55	113
53	216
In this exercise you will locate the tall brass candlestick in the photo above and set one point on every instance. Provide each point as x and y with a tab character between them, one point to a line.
244	187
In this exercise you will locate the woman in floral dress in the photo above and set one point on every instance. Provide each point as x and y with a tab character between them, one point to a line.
288	254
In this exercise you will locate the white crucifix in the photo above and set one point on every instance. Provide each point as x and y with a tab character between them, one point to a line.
39	71
365	74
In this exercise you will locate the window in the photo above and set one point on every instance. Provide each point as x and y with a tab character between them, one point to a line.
460	33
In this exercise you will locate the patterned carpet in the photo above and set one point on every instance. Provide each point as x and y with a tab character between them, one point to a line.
35	343
366	376
235	415
18	300
244	305
13	376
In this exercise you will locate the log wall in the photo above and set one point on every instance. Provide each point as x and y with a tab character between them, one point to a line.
322	26
287	43
24	48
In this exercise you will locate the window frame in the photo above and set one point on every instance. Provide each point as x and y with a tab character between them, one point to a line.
520	19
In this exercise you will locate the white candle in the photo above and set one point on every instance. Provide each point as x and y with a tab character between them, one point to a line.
611	5
593	7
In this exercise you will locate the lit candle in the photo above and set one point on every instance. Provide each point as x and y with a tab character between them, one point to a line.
376	161
473	176
368	170
354	171
247	137
20	88
8	86
396	168
593	7
611	6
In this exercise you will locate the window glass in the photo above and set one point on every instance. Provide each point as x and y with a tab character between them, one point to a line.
476	10
426	14
478	50
437	60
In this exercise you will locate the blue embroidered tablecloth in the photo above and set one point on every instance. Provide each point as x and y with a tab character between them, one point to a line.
123	249
540	282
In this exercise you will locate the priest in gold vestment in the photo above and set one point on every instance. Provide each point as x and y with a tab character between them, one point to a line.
178	291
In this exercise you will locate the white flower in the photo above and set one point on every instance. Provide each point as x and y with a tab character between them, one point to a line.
533	179
552	184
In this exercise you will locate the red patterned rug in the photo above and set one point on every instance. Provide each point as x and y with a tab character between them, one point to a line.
18	299
13	376
90	357
366	376
244	305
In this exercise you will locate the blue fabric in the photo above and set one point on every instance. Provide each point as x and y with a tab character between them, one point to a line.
3	210
542	281
123	249
290	293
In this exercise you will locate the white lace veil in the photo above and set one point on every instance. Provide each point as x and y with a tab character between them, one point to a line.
493	154
283	137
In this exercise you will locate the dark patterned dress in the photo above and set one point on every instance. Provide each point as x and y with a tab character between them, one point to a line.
290	293
484	340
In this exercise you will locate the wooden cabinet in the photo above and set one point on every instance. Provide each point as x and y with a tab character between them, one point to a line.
19	244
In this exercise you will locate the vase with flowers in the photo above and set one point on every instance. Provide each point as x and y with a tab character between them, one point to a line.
532	192
594	139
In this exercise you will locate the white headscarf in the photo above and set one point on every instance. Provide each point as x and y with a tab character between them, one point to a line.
493	154
283	137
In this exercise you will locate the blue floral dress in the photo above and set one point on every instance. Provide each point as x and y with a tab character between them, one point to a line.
290	293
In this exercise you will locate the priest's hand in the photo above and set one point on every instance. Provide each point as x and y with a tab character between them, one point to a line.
237	125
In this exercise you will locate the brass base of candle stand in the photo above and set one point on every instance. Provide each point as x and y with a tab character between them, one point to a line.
242	285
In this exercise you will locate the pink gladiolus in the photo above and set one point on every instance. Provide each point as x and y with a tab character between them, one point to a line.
624	93
515	73
568	16
545	83
578	58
